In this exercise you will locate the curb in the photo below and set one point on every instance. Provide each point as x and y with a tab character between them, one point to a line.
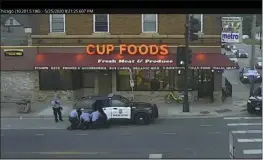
179	116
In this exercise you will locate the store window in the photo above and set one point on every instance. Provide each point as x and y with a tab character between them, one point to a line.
89	79
59	80
145	80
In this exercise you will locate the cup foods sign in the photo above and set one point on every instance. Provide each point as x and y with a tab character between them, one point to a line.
231	29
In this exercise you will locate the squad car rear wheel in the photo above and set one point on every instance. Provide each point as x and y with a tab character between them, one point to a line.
141	119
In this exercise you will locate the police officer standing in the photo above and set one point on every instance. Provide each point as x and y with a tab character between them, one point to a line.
57	109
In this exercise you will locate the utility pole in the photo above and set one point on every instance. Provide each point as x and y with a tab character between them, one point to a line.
252	60
186	103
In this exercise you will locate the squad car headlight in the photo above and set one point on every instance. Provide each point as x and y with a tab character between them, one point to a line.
248	101
245	77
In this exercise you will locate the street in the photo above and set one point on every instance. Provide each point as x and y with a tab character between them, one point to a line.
167	138
240	90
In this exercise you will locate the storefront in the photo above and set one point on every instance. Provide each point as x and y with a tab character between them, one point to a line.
77	72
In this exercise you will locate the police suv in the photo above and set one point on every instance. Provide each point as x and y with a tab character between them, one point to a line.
117	107
254	103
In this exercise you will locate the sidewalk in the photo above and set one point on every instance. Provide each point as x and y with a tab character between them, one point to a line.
173	110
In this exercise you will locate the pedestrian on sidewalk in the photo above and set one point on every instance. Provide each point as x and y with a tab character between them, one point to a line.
57	108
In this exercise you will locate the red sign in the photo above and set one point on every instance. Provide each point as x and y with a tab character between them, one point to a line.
132	49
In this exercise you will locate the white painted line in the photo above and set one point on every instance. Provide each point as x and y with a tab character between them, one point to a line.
205	125
214	132
82	134
170	133
67	153
125	134
7	125
245	132
252	151
21	117
236	118
249	140
155	156
244	124
40	134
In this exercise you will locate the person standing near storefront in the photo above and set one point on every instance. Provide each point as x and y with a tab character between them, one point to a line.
57	108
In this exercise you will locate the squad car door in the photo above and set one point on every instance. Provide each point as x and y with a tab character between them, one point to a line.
106	107
120	110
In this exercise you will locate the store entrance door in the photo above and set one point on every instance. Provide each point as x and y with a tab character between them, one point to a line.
205	83
105	82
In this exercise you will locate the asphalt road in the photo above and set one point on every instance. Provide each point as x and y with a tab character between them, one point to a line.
241	90
173	138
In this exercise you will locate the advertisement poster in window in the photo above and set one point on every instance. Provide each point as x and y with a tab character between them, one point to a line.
231	29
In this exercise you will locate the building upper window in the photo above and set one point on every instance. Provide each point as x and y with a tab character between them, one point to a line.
201	21
101	23
150	23
57	23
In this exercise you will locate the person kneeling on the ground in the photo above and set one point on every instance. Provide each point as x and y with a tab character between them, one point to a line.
98	118
85	120
74	118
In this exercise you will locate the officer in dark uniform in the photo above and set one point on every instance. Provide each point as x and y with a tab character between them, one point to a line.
57	109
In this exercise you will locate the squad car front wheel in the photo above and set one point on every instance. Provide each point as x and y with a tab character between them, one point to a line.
141	119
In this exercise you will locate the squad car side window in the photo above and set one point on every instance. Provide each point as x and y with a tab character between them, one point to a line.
118	103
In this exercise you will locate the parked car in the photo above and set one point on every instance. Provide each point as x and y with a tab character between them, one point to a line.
258	63
223	44
117	107
241	53
246	72
254	103
232	57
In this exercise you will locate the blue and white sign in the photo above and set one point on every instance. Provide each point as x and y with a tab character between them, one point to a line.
231	29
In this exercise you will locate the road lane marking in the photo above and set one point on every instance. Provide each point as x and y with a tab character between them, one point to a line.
67	153
82	134
249	140
40	134
236	118
248	131
155	156
205	125
214	132
244	124
7	125
125	134
252	151
170	133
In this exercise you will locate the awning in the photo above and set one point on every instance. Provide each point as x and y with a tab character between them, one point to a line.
116	61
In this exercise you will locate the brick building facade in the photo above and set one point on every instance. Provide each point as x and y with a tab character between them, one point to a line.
58	38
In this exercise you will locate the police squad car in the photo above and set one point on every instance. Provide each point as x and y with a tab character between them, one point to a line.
254	103
117	107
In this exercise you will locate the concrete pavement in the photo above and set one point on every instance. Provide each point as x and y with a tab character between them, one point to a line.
173	138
